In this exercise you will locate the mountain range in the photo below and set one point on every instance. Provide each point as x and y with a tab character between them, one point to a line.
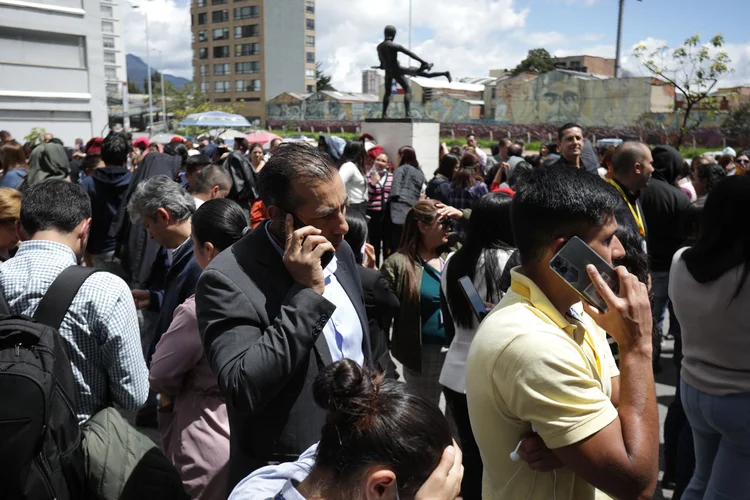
137	71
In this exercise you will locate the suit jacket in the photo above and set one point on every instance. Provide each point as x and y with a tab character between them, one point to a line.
262	333
381	306
181	280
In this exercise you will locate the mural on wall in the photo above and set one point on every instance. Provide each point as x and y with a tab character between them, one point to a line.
556	98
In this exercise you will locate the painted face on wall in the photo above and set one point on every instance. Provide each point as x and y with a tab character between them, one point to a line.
559	103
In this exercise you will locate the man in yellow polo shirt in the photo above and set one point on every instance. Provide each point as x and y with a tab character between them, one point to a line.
540	360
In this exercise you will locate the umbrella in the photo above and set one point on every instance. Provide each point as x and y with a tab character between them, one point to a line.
215	119
231	134
261	137
165	138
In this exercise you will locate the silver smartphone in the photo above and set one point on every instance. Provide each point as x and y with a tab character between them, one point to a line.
570	264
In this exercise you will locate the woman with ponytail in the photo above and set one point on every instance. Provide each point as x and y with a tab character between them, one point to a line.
193	418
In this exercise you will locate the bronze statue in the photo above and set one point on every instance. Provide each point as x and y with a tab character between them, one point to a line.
388	54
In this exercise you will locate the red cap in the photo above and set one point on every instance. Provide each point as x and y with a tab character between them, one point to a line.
141	142
177	139
94	146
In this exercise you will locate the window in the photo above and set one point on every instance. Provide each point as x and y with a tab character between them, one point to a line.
311	89
220	16
246	68
310	7
107	11
39	48
222	87
310	24
223	99
221	51
204	87
203	53
219	2
203	36
109	57
245	12
110	73
310	74
203	18
204	69
108	42
310	41
247	86
247	49
311	57
108	27
201	3
222	69
248	99
221	34
247	31
113	89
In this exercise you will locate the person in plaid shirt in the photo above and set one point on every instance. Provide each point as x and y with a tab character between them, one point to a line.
467	186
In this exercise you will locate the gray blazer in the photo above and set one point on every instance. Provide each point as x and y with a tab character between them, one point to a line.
405	191
262	335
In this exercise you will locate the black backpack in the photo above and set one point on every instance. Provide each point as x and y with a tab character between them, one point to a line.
41	457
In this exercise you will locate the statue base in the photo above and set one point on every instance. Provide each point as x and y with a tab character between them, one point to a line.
422	135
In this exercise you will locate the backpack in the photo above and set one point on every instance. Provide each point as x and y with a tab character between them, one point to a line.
41	456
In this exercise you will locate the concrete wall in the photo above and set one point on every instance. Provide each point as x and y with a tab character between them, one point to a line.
283	46
57	81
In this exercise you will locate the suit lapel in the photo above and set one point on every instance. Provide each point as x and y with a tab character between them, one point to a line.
179	259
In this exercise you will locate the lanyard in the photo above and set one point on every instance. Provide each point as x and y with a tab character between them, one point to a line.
635	211
525	292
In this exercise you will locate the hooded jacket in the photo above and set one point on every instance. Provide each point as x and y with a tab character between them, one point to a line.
663	207
106	187
47	161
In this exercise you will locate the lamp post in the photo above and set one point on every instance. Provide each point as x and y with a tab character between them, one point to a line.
148	65
163	101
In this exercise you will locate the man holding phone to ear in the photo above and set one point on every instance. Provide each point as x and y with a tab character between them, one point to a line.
540	360
280	304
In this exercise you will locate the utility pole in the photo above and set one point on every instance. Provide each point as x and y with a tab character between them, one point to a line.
619	39
163	101
148	65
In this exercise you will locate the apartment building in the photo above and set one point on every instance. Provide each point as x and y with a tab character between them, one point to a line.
113	44
52	72
249	51
371	81
587	64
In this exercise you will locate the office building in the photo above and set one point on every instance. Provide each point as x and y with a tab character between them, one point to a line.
113	43
587	64
249	51
371	81
52	72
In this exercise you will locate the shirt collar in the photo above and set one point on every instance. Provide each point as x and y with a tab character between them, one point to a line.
46	246
631	196
526	288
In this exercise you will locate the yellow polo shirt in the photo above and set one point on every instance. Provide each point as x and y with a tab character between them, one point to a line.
529	364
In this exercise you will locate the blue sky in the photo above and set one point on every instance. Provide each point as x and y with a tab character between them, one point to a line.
470	37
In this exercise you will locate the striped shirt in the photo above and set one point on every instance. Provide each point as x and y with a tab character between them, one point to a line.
379	193
100	331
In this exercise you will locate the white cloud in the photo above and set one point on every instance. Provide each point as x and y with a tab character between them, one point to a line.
169	30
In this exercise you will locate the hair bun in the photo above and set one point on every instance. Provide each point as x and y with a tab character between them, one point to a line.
345	388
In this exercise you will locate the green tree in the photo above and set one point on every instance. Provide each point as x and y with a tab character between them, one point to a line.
323	81
694	70
537	61
737	124
36	135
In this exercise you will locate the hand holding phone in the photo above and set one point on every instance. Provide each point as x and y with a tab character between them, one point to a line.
303	253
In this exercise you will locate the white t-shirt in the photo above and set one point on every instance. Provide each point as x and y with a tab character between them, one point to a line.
354	182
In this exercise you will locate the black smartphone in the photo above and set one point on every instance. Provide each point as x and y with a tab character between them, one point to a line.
298	224
570	264
475	301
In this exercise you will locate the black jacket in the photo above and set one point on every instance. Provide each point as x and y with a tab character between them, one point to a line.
381	305
664	205
262	333
244	178
135	248
437	189
106	187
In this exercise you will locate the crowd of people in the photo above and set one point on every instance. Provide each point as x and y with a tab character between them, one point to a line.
295	321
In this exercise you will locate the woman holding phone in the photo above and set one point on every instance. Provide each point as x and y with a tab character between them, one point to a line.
483	258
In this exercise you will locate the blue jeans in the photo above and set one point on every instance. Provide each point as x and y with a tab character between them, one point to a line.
721	432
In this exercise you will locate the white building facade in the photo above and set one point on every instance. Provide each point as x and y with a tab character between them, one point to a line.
52	68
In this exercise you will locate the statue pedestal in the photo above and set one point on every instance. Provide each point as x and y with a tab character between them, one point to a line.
423	136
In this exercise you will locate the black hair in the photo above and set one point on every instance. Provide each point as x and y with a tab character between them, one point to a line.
196	162
177	149
504	142
724	238
357	234
559	202
519	174
292	162
635	260
489	230
515	150
712	173
471	134
115	150
447	165
210	176
565	127
552	148
220	222
354	151
241	143
408	156
376	421
54	204
534	160
519	142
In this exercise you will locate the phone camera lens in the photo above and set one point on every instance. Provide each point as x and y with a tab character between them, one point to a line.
564	269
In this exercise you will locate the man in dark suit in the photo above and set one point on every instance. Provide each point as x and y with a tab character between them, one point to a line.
279	305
